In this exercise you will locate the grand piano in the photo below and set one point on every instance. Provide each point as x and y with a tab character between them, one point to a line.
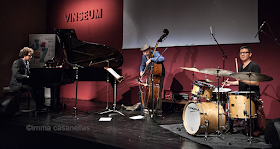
83	58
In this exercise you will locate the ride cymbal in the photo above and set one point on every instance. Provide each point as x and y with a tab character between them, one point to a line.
251	76
207	80
190	69
216	71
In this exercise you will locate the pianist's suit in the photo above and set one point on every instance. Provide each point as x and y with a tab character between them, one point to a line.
20	71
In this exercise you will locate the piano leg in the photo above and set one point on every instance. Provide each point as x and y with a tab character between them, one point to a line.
55	97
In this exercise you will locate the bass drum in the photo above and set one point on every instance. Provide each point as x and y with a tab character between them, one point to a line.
195	114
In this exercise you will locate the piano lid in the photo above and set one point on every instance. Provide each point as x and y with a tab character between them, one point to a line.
86	53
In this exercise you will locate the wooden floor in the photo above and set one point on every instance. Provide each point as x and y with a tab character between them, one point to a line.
65	129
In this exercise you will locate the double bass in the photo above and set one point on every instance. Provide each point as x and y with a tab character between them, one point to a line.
150	91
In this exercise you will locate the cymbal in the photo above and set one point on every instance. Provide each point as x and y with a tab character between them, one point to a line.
216	71
190	69
207	80
252	76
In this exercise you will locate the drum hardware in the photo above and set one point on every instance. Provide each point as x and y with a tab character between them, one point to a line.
245	112
250	139
207	124
218	72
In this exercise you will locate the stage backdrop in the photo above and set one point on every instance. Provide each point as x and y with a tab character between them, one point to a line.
106	27
190	22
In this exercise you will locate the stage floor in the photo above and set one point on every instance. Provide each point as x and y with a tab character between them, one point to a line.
65	129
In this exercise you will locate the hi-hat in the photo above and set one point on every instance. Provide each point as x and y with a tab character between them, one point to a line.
190	69
216	71
207	80
251	76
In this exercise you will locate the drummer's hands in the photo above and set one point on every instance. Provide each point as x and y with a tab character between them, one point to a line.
227	83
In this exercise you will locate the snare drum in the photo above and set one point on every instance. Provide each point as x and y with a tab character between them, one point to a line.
223	94
195	115
239	104
202	89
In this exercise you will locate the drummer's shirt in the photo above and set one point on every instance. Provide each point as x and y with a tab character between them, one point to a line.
251	67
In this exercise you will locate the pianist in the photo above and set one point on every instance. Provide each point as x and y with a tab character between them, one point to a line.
20	74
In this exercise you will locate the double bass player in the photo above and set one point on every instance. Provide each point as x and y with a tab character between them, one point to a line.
147	60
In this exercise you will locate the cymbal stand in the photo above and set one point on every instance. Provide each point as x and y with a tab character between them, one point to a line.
193	74
250	116
245	114
218	77
193	81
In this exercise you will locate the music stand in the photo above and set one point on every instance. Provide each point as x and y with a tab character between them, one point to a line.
108	60
118	78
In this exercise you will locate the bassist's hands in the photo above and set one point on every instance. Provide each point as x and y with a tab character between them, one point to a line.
148	62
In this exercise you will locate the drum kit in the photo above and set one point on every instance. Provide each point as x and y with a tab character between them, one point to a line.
207	117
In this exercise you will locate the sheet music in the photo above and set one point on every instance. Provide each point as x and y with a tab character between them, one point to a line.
117	76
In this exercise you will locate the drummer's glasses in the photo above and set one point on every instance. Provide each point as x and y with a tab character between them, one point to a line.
242	53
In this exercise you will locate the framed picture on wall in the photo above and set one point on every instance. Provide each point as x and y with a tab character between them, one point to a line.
44	49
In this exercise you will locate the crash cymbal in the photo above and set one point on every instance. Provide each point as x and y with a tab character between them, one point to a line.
252	76
216	71
207	80
190	69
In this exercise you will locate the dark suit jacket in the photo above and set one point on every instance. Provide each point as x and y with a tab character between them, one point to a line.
18	74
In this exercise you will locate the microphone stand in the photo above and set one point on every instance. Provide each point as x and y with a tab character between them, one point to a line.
273	38
76	66
224	55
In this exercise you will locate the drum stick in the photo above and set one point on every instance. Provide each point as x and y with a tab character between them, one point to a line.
224	83
236	65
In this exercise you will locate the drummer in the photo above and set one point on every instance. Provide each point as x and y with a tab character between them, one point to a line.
248	65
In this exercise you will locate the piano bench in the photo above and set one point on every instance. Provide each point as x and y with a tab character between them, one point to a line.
17	95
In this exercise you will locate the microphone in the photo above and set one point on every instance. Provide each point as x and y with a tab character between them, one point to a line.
260	28
166	31
211	32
